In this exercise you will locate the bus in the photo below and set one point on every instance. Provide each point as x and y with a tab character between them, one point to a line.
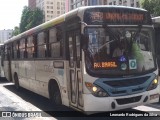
156	23
1	59
70	59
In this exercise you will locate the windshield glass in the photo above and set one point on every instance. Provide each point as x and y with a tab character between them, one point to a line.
120	50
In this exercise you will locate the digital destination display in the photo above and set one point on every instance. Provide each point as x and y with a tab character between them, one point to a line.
117	16
98	16
105	65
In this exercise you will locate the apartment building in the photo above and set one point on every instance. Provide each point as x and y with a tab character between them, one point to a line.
131	3
78	3
32	4
5	35
51	8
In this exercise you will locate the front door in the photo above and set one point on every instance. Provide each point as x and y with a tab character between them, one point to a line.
75	76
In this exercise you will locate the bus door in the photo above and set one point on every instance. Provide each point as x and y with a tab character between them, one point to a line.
8	63
75	76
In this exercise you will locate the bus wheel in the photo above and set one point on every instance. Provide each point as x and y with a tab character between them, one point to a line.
54	94
16	82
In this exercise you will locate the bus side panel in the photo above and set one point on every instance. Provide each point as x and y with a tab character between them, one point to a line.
30	74
6	70
15	69
47	70
23	75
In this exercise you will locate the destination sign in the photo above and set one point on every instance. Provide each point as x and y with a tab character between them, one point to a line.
117	16
105	65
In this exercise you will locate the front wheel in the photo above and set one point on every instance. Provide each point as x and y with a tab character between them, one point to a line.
16	82
55	95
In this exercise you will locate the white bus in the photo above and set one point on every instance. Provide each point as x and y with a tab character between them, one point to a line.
156	22
1	63
70	59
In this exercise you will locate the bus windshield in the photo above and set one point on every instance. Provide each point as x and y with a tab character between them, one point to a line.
120	50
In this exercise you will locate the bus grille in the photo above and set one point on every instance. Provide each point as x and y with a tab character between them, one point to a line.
128	100
127	82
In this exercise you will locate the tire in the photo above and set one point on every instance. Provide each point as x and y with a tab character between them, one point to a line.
16	82
54	93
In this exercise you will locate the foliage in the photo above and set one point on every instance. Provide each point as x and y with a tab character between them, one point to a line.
30	18
153	6
15	31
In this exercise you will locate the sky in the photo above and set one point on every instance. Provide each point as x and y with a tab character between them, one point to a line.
10	13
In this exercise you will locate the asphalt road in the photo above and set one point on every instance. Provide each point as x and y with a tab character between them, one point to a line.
24	101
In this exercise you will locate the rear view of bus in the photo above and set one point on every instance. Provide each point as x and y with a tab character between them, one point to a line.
120	69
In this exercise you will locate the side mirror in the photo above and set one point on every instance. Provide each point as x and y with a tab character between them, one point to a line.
84	40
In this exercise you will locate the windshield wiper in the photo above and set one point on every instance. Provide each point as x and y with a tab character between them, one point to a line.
113	34
138	31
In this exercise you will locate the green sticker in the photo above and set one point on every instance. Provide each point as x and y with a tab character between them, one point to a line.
132	64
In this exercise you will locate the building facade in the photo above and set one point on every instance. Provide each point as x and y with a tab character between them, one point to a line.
131	3
51	8
5	35
73	4
32	4
78	3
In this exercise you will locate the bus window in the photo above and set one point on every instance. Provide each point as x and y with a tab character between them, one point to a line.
41	45
30	47
55	42
22	48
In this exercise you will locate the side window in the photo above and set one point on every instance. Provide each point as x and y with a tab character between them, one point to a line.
22	48
15	52
41	45
5	52
56	42
30	47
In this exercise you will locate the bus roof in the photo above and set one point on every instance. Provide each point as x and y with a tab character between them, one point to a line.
62	18
156	19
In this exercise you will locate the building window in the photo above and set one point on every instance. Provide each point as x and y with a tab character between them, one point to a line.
120	2
137	4
114	2
110	3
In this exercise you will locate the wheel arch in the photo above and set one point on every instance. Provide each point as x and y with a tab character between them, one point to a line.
54	82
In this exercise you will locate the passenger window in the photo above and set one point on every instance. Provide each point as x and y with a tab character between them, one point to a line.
30	47
41	45
55	42
22	48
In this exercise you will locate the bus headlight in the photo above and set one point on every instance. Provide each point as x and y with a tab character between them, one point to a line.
95	90
153	85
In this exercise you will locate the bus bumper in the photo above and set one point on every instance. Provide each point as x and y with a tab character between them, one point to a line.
94	104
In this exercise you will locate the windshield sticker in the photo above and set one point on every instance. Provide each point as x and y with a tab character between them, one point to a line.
123	66
122	58
128	34
132	64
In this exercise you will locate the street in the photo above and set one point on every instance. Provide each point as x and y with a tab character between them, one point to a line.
24	100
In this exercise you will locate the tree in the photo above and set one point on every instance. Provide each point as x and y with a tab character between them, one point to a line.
15	31
24	19
30	18
153	6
